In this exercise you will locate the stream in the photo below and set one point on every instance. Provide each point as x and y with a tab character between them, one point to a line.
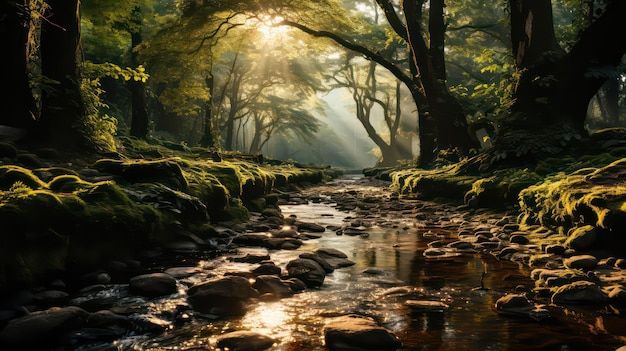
385	236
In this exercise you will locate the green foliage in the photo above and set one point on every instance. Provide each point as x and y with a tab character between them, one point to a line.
108	69
100	128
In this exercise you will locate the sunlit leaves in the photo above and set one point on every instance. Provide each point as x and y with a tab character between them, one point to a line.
112	70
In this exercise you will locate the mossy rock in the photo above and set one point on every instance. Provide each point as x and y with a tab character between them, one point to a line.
48	173
30	160
165	171
11	174
67	183
7	150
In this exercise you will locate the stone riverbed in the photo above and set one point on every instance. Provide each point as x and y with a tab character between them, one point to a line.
343	266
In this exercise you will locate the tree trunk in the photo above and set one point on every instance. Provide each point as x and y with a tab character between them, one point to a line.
437	31
62	106
17	105
555	88
139	116
208	140
446	112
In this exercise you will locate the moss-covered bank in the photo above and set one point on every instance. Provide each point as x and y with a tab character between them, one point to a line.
60	212
585	187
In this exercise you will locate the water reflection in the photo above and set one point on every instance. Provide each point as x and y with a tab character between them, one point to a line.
269	318
398	271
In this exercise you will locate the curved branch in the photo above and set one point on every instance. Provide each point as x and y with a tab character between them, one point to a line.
393	18
369	54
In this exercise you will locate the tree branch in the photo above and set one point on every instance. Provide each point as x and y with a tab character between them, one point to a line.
370	55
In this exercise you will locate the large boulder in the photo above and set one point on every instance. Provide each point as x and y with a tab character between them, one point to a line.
307	270
579	293
354	332
334	257
244	341
153	284
271	284
582	238
44	327
227	296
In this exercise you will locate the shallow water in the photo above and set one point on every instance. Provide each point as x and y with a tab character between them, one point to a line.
392	250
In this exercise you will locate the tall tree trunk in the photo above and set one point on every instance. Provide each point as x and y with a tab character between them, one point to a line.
582	72
139	111
17	104
62	105
555	88
437	31
208	140
446	112
536	53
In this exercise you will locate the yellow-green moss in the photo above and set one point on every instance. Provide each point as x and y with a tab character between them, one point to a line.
10	174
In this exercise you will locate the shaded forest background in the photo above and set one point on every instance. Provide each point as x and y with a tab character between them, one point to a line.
426	82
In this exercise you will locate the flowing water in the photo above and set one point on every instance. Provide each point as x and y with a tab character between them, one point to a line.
389	269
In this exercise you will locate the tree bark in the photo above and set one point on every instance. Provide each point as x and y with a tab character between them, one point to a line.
208	140
446	112
139	111
17	104
62	106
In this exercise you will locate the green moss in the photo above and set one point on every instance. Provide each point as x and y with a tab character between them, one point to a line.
164	171
10	174
590	197
67	183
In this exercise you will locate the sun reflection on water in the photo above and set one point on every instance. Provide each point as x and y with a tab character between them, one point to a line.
270	318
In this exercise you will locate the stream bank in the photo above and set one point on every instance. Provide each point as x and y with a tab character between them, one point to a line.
426	275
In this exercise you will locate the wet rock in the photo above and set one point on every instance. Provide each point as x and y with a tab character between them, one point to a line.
555	249
267	268
519	305
295	284
519	239
426	306
334	257
271	284
584	262
310	227
227	296
104	325
244	341
354	332
373	271
321	261
182	272
307	270
434	251
506	253
286	232
461	245
50	297
514	304
153	285
579	293
252	258
582	238
267	241
42	327
617	296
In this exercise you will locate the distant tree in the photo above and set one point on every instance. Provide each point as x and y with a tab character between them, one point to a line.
368	93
